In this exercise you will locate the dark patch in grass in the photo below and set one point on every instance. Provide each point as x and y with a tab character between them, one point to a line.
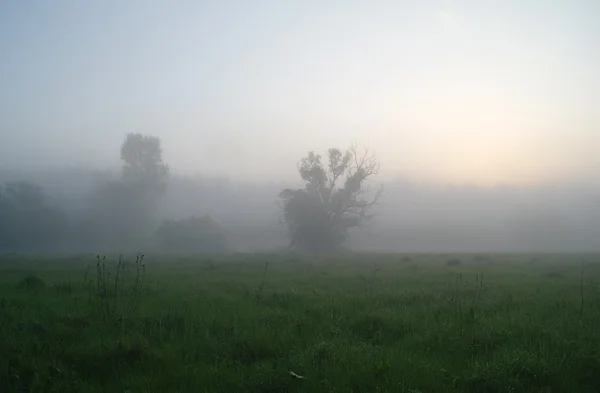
32	283
34	328
453	262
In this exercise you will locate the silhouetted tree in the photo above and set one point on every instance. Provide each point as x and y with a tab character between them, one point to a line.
319	216
143	165
123	213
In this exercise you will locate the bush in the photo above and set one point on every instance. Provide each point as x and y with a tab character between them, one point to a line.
28	221
32	283
453	262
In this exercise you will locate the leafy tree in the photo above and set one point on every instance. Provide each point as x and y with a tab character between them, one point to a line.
143	164
123	213
144	176
192	235
334	200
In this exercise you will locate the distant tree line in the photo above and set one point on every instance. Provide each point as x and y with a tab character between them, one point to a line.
27	220
122	214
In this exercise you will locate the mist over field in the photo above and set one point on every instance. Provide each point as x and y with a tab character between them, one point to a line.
412	217
299	196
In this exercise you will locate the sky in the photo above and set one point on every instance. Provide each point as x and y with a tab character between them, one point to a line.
467	92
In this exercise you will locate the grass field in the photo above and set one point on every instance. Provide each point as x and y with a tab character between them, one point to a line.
292	323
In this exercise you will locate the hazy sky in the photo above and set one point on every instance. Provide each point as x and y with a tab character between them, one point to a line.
460	91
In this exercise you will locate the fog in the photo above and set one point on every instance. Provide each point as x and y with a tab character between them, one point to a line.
412	217
482	115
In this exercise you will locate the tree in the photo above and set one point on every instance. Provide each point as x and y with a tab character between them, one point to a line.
27	221
143	166
319	216
123	212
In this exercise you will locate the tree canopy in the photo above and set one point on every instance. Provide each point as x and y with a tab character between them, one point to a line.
338	196
124	212
143	164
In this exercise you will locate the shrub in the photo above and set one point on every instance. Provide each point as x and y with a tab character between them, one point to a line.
32	283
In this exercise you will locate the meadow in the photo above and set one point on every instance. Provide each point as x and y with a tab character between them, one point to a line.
300	323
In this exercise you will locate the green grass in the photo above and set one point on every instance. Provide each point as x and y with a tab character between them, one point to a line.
354	323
